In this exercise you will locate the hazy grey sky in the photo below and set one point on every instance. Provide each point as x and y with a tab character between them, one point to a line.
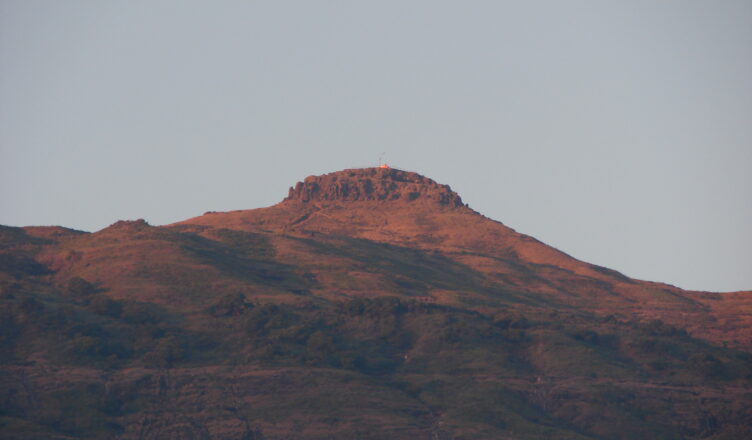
618	132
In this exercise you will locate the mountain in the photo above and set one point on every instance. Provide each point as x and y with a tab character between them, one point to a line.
369	303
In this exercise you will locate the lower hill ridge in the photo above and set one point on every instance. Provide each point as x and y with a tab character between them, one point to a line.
369	303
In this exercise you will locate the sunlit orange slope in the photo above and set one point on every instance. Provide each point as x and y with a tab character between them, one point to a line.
406	209
361	232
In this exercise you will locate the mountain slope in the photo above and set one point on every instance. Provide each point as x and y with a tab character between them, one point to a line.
370	303
406	209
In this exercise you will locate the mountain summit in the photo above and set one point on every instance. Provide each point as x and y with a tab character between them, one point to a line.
373	184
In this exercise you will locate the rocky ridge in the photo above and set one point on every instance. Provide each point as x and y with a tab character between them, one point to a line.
373	184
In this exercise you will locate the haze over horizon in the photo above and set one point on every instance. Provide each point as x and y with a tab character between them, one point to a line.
617	133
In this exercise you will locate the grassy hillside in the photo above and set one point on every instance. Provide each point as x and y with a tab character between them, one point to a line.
81	365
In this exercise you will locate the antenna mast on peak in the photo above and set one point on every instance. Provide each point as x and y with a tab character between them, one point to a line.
381	164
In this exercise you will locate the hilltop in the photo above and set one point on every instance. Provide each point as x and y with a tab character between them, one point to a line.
368	303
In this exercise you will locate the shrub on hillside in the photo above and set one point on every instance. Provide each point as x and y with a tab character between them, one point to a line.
165	353
382	306
86	348
103	305
79	287
657	327
141	313
707	365
593	337
233	304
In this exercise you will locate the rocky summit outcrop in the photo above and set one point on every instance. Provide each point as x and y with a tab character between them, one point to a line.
373	184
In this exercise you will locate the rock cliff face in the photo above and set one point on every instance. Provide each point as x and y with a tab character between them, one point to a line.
373	184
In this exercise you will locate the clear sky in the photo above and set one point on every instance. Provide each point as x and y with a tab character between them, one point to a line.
618	132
